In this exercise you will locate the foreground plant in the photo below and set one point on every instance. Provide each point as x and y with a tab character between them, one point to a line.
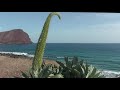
78	69
71	69
46	71
39	52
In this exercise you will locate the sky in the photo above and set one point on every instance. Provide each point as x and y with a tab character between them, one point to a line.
74	27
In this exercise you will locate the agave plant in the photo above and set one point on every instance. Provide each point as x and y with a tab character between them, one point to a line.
78	69
39	52
46	71
71	69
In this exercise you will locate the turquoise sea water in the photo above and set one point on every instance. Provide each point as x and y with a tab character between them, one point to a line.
103	56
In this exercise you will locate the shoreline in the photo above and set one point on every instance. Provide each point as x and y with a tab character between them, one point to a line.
15	56
11	65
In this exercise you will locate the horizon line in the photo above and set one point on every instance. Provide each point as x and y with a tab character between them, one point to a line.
85	43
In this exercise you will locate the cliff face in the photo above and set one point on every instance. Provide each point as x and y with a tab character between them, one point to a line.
15	36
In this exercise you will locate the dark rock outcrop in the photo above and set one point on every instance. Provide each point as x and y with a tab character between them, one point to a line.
15	36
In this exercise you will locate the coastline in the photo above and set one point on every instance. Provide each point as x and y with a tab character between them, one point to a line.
11	65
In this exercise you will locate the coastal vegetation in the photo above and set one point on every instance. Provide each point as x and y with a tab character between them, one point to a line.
76	68
70	69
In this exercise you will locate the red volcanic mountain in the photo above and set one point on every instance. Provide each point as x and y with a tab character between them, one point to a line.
15	36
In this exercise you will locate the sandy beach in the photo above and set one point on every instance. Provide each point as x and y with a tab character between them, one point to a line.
11	66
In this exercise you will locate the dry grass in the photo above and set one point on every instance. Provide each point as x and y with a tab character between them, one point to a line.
10	67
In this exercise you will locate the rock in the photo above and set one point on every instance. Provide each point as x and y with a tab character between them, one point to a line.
15	36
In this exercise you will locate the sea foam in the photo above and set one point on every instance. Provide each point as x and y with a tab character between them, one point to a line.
111	74
18	53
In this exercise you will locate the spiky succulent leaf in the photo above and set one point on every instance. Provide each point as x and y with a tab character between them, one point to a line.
92	71
81	62
25	75
56	76
86	69
75	73
66	61
61	64
74	61
97	75
80	70
31	75
45	72
69	64
60	69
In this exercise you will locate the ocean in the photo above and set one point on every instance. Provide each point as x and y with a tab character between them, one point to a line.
104	56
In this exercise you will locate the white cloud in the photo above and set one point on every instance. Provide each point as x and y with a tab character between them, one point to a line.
105	26
108	15
97	15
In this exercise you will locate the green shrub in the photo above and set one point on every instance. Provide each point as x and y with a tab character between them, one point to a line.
78	69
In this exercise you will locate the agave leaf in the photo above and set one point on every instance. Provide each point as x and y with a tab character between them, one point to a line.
57	71
69	64
25	75
97	75
51	75
83	72
66	73
39	52
101	76
93	72
40	75
43	64
61	64
66	61
60	70
54	66
31	75
57	76
75	61
75	73
79	68
86	69
45	72
83	66
81	62
42	71
90	68
87	76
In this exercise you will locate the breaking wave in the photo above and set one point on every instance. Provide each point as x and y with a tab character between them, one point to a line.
110	73
18	53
